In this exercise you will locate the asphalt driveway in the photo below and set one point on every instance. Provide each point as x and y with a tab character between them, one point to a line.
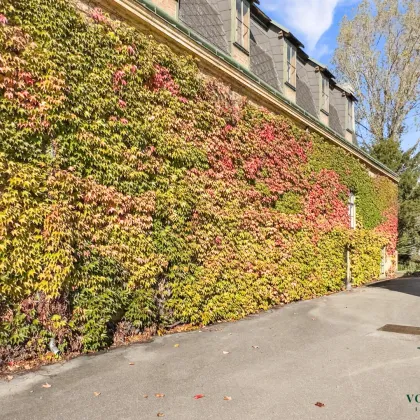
276	365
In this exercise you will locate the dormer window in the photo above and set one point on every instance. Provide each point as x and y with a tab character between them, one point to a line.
242	24
325	94
350	115
290	64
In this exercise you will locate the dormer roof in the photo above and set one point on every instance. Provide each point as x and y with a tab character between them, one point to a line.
348	90
322	68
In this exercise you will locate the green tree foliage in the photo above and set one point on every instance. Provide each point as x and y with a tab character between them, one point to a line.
407	165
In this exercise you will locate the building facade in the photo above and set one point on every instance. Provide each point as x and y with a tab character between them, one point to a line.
272	53
236	42
174	162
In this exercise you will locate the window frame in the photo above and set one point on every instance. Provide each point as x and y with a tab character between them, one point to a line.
350	115
325	93
242	23
352	210
290	79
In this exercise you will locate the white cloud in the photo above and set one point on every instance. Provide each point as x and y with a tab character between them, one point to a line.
320	51
307	19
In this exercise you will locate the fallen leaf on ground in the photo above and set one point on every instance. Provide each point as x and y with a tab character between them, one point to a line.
131	363
227	398
145	396
198	396
159	395
46	385
160	414
320	404
176	345
96	394
226	352
255	347
9	377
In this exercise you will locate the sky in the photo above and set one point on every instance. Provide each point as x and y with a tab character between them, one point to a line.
316	24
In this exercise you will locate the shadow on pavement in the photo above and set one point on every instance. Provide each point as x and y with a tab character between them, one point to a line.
408	284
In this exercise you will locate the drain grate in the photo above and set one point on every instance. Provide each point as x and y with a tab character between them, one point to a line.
400	329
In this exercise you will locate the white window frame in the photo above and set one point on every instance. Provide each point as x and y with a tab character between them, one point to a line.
325	93
350	115
352	210
242	23
291	64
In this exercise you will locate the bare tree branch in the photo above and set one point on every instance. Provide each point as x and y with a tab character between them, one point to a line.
379	54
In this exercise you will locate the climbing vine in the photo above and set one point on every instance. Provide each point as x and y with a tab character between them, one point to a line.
136	194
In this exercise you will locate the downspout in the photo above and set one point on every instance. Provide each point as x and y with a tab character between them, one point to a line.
348	269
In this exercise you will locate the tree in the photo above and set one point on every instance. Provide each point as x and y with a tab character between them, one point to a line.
407	165
378	53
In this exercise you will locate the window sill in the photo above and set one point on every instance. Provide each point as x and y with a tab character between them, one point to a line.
240	47
325	112
290	86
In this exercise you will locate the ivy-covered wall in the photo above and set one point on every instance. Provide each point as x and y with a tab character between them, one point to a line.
135	194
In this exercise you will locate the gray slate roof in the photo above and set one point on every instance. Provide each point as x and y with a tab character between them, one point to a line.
304	97
334	120
204	19
262	65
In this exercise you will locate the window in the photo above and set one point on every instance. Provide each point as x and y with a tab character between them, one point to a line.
352	211
325	97
350	119
383	260
291	64
242	24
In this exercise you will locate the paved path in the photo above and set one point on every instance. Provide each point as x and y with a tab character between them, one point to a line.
326	350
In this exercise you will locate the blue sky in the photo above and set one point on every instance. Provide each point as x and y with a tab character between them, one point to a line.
316	24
